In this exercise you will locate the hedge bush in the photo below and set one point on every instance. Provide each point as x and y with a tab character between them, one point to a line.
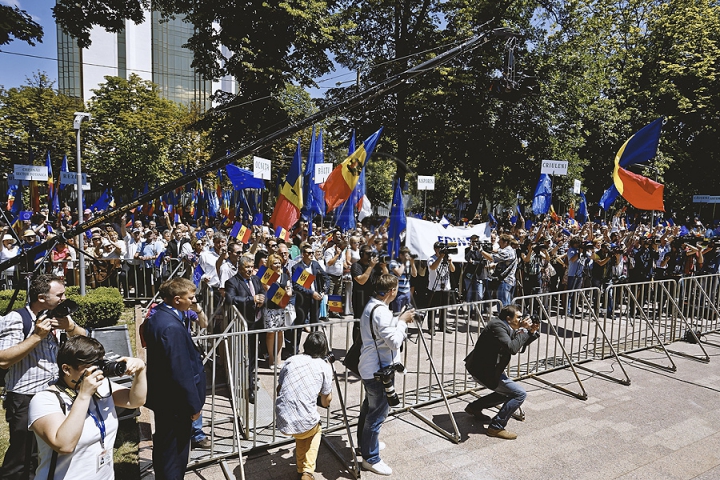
100	307
6	295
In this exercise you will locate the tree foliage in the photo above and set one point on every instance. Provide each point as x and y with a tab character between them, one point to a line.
34	119
136	137
17	24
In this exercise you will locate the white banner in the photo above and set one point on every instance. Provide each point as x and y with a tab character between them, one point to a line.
421	235
70	178
31	172
576	186
261	168
322	172
554	167
426	182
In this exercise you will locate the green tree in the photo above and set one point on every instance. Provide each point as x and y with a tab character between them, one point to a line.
34	119
18	24
136	136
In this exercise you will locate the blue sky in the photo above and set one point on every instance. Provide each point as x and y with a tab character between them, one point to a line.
19	61
15	64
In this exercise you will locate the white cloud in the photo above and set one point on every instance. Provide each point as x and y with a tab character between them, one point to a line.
12	3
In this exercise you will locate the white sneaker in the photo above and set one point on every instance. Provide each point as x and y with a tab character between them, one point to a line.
379	468
381	445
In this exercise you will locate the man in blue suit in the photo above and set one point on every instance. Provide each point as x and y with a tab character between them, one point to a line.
176	380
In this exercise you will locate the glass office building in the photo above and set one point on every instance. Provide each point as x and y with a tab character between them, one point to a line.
166	63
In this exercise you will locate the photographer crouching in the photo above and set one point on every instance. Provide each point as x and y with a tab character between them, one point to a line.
500	339
382	336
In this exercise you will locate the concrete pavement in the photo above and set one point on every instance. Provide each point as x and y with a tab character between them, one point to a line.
665	425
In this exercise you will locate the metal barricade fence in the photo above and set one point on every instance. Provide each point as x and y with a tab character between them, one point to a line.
571	337
624	319
139	283
645	315
700	303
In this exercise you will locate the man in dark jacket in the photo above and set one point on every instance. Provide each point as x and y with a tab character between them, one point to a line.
487	362
176	380
245	291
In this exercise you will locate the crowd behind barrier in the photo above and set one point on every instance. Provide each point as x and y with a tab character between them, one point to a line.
646	315
600	292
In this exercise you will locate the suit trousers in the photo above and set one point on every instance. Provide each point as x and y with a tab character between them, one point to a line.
21	457
171	445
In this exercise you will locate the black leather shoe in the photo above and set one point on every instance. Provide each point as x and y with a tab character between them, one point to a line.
477	413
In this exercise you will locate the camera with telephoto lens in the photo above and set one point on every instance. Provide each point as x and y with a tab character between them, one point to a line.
65	308
386	376
330	357
111	368
449	248
486	246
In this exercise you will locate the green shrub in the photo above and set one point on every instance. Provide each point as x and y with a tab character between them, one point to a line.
100	307
6	295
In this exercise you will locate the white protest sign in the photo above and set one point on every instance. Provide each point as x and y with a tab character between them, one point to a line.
70	178
261	168
31	172
576	187
322	171
426	183
554	167
421	235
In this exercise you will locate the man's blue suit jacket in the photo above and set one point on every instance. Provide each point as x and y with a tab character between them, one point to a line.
176	379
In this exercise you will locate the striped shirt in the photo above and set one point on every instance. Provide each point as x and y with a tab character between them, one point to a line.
33	373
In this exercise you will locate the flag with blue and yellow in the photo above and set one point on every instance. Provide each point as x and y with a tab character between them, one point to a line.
303	277
266	275
290	200
278	295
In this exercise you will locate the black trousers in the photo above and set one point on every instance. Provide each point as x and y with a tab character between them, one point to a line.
21	457
171	445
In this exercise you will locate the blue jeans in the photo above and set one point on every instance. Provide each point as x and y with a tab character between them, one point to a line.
400	301
504	293
197	434
507	391
373	413
474	290
574	283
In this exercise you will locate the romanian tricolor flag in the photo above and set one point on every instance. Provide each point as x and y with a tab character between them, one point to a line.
266	275
290	200
278	295
240	232
639	191
343	179
303	277
282	234
553	214
335	303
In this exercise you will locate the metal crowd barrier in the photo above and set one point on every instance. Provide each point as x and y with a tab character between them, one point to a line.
699	300
581	330
139	283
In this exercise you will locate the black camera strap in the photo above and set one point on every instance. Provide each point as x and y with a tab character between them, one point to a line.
372	332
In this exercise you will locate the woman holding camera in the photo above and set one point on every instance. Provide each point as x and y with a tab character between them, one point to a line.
74	420
382	336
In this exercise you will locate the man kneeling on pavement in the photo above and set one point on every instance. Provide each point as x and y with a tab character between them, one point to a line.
501	339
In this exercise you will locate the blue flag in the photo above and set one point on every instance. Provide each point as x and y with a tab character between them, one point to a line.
345	214
581	214
103	202
609	197
543	195
314	197
242	178
398	221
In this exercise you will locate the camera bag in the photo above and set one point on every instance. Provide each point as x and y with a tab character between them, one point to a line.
352	357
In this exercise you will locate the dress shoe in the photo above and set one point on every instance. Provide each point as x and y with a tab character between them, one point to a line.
204	443
502	433
477	413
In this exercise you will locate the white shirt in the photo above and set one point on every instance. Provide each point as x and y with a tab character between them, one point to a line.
208	259
335	269
83	462
390	333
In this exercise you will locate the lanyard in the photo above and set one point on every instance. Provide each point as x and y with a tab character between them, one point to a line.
99	422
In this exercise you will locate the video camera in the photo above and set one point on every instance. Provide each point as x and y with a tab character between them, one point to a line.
449	248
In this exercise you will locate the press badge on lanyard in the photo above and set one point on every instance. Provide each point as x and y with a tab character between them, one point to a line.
104	458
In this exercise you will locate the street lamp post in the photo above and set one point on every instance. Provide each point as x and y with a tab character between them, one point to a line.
79	117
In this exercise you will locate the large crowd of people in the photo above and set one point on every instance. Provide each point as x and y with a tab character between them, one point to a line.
277	281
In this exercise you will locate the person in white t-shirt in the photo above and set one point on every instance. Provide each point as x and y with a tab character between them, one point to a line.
82	429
